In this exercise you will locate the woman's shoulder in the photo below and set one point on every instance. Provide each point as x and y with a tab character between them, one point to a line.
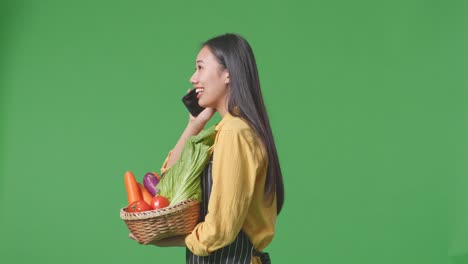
235	125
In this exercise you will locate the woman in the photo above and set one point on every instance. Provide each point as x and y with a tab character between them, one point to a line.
242	185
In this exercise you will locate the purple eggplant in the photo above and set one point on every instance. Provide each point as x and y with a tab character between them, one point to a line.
150	181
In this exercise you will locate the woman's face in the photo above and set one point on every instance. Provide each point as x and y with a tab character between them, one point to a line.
210	80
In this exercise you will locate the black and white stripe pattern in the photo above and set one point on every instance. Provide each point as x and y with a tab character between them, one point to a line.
238	252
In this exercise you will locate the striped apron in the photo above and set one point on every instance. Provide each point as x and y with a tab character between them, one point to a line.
239	251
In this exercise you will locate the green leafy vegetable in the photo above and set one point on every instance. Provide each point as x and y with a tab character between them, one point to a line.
181	181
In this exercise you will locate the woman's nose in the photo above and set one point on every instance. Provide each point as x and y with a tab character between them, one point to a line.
193	78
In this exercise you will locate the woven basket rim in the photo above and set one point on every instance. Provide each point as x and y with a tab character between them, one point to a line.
124	215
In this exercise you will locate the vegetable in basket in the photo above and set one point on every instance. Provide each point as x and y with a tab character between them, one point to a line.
181	181
146	195
138	206
159	202
131	185
150	181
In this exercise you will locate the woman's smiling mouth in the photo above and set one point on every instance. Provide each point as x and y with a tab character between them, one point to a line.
199	92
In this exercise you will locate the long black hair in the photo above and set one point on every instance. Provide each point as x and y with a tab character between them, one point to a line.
234	53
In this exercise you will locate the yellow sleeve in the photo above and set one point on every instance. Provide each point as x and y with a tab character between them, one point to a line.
235	165
163	168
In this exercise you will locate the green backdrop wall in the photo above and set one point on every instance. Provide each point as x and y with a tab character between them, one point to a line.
367	101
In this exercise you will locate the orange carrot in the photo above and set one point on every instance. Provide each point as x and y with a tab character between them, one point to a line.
146	195
133	191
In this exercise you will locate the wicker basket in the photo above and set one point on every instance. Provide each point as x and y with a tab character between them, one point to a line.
179	219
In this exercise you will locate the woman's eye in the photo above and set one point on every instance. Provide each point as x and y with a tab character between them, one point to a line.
199	67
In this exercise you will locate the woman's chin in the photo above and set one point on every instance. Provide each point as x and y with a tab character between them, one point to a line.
202	104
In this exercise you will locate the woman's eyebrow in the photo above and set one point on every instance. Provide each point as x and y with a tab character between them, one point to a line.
200	61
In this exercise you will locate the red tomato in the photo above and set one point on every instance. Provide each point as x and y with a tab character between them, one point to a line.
138	206
159	202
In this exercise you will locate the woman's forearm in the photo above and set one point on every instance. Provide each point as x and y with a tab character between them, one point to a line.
176	241
190	130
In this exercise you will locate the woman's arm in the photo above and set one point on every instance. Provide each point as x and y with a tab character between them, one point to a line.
175	241
195	125
190	130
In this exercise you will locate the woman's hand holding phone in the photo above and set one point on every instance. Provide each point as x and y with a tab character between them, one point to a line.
202	118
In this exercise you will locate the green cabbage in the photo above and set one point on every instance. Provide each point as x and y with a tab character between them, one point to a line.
182	181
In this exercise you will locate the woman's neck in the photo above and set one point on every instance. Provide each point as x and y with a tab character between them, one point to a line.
222	108
222	111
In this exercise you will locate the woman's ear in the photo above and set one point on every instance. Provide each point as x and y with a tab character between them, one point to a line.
226	77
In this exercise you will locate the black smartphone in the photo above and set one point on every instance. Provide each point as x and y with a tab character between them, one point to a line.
190	100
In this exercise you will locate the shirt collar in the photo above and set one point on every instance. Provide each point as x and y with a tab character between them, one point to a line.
225	118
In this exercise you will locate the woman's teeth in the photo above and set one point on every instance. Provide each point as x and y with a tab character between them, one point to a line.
199	92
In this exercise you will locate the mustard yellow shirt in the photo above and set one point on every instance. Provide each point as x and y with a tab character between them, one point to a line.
237	197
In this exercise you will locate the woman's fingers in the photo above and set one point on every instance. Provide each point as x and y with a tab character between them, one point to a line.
203	117
206	114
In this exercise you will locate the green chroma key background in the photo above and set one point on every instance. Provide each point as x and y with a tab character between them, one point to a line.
367	101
